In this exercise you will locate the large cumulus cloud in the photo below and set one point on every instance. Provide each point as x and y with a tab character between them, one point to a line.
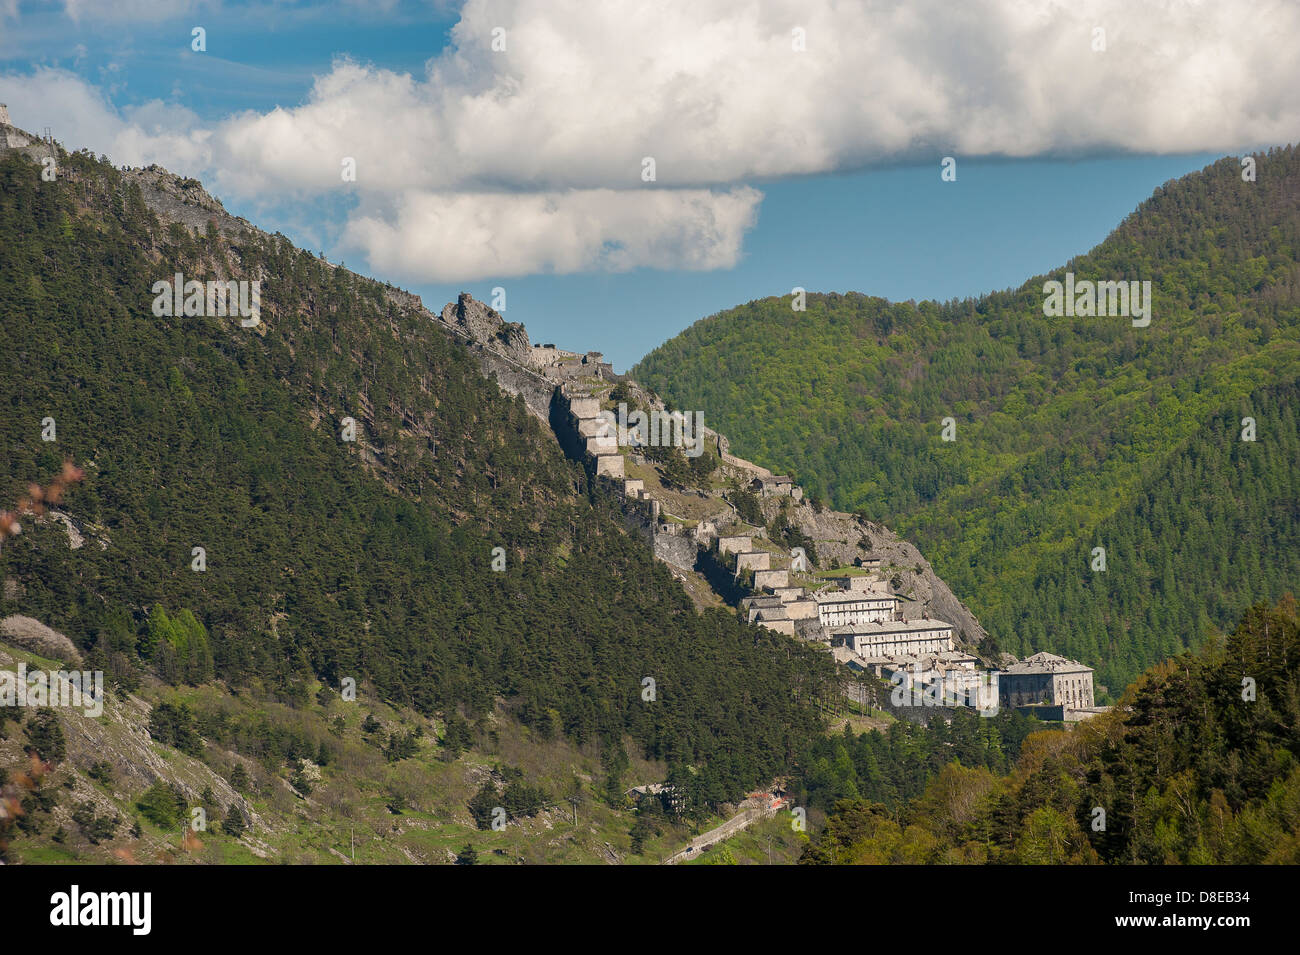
530	158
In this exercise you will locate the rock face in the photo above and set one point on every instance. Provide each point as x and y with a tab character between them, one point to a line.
485	325
840	538
120	737
31	634
171	197
178	199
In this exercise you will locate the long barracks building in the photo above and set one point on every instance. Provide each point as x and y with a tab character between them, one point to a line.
857	605
894	638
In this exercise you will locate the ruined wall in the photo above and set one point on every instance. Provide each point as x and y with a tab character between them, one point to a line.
11	137
514	379
679	550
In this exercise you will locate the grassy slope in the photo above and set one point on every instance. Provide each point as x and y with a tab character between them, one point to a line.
413	810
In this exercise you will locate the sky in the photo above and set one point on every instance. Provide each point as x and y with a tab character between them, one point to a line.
621	169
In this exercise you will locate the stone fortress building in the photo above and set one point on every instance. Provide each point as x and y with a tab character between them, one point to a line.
776	485
1051	686
862	600
894	638
857	616
11	137
862	621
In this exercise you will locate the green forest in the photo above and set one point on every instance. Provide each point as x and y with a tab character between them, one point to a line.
1071	433
1199	765
330	559
893	767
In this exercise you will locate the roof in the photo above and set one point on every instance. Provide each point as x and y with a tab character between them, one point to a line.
892	626
845	655
957	656
1043	662
853	596
945	661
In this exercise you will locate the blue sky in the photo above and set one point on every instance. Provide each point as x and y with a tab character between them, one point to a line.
521	167
899	233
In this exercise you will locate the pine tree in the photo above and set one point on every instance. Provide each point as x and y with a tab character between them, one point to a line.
233	824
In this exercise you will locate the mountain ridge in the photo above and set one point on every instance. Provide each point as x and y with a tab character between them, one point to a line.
222	477
1061	424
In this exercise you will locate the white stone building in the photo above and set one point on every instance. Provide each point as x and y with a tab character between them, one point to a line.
845	608
894	638
1046	678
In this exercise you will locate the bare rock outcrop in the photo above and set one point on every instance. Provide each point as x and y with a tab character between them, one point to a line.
485	325
176	198
841	538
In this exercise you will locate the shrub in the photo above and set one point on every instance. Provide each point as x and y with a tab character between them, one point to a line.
163	805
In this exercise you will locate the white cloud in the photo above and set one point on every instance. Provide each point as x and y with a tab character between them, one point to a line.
550	134
467	236
80	116
716	94
120	11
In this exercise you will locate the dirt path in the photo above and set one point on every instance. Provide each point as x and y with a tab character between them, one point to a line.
751	811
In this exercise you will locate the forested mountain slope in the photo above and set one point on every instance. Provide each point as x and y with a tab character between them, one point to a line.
1198	766
1071	433
325	558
